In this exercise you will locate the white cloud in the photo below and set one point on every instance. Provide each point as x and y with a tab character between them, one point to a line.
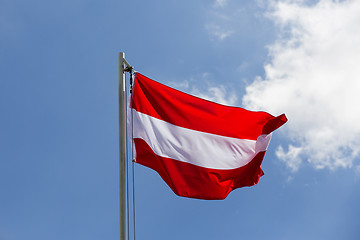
219	25
220	3
218	31
182	86
217	94
314	77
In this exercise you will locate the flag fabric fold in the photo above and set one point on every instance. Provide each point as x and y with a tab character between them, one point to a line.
201	149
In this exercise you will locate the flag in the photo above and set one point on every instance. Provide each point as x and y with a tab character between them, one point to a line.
201	149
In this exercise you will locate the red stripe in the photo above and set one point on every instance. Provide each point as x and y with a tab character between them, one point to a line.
192	181
184	110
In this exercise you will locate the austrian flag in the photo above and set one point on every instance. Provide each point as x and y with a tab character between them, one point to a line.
201	149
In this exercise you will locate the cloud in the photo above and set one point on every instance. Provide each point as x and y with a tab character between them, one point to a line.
220	3
218	31
314	77
217	94
219	24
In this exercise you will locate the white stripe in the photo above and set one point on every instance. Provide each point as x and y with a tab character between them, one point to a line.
195	147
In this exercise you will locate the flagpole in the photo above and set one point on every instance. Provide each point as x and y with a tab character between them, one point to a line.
122	147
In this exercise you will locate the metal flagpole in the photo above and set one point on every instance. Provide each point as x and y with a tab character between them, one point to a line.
122	147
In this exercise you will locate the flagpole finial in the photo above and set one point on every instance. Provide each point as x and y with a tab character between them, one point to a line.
129	69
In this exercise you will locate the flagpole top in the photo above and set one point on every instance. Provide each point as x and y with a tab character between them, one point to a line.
128	67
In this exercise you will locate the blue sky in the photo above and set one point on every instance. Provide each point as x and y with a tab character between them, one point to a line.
59	114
